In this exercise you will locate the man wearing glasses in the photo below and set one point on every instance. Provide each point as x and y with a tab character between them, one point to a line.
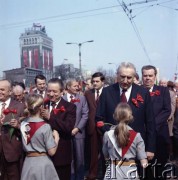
125	90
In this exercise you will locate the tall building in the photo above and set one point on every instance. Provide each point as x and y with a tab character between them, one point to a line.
36	50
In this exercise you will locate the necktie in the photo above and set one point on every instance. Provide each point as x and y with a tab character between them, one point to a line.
71	97
123	97
53	104
97	95
41	93
2	109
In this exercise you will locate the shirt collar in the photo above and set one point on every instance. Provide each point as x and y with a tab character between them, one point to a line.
68	96
127	91
100	90
151	89
7	102
56	102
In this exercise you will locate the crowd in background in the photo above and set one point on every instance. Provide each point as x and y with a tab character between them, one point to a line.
52	131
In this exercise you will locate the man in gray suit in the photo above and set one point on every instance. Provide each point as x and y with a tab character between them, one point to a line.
78	132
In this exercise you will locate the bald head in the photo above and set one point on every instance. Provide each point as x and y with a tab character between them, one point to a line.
18	93
5	90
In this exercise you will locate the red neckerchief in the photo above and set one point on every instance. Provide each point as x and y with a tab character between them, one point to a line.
34	126
132	137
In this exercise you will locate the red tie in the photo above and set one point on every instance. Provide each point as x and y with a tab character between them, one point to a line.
123	97
97	95
71	97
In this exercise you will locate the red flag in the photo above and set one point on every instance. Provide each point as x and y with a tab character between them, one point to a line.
36	57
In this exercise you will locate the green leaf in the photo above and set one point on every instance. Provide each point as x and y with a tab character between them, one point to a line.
11	131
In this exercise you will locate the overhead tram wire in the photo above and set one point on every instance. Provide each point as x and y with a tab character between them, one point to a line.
22	23
79	17
129	15
168	7
60	15
28	22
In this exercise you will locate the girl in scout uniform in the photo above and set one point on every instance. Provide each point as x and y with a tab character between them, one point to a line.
121	145
39	142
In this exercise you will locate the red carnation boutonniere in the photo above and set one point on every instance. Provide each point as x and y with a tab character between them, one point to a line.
155	93
136	100
6	112
61	109
100	124
75	100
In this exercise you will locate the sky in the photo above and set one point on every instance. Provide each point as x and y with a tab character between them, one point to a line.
145	33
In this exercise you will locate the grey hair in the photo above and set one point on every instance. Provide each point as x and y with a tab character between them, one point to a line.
163	79
69	82
126	65
18	88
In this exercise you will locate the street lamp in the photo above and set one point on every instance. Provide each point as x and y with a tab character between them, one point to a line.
79	45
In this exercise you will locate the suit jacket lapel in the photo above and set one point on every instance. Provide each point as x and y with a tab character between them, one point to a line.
154	89
65	97
12	103
115	93
93	97
133	94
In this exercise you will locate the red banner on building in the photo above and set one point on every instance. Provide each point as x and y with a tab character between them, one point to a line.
50	60
25	58
36	58
45	59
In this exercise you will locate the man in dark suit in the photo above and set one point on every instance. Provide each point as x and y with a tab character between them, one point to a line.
161	103
40	83
78	131
10	139
139	100
61	115
92	97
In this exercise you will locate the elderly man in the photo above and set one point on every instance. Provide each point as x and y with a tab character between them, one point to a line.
18	94
163	82
78	131
161	103
10	143
139	100
61	115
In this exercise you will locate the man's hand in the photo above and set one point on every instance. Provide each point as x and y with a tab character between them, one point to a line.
75	131
150	155
45	113
14	123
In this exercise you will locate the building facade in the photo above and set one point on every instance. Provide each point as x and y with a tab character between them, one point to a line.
25	74
36	50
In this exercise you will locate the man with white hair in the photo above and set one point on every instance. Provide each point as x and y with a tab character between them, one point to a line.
18	94
125	90
78	131
163	82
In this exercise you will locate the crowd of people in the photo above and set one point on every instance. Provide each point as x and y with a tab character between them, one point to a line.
58	130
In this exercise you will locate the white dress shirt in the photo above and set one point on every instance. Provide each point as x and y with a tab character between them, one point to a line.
6	106
127	92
